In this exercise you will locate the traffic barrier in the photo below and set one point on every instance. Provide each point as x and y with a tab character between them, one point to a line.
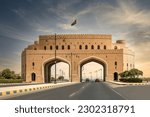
31	89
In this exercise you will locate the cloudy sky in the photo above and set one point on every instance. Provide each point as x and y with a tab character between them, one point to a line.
22	21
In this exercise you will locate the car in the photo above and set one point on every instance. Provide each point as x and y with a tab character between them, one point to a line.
97	80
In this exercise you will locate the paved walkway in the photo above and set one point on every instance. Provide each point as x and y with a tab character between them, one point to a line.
124	83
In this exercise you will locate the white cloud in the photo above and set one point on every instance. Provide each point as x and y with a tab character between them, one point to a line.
13	33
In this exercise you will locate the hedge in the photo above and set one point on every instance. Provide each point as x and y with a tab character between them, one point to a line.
135	80
11	80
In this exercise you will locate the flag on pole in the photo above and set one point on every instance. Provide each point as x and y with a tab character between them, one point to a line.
74	22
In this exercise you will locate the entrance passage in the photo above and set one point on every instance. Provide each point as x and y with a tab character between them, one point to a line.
62	71
115	76
91	71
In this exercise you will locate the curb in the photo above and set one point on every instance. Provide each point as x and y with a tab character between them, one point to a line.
120	83
25	90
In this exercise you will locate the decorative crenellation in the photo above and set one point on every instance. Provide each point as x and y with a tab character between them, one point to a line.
77	36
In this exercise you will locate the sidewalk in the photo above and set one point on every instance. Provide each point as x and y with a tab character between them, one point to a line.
5	91
124	83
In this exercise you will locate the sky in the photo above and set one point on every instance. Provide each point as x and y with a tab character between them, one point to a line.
22	21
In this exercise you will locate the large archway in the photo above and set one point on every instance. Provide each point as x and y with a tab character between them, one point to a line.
62	70
100	71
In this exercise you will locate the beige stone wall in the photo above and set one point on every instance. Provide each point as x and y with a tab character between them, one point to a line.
82	48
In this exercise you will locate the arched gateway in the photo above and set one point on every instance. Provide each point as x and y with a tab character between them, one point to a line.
75	50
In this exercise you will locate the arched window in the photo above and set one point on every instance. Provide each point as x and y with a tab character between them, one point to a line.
105	47
131	66
33	76
68	47
80	47
51	47
115	62
35	48
57	47
62	47
33	64
92	47
86	47
44	47
115	47
98	47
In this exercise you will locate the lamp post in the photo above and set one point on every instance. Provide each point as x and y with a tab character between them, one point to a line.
55	60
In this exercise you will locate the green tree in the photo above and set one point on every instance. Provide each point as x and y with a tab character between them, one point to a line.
124	74
133	73
8	74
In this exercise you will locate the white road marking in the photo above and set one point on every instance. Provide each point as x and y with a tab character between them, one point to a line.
76	92
72	94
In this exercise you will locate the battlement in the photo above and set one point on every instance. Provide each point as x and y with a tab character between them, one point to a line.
77	36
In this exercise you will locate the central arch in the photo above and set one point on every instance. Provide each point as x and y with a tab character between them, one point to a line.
96	60
47	65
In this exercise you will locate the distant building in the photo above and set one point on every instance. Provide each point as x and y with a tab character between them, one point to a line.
76	50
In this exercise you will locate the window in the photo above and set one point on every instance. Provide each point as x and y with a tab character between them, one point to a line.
130	65
57	47
115	62
80	47
33	76
86	47
33	64
44	47
35	49
62	47
98	47
115	47
105	47
92	47
68	47
51	47
127	66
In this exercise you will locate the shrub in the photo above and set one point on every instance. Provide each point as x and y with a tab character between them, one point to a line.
1	77
11	80
134	80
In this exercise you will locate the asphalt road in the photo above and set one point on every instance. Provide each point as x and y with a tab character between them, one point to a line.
134	92
82	91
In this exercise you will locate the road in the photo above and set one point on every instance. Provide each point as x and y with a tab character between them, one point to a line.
81	91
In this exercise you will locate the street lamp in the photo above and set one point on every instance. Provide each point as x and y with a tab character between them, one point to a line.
55	60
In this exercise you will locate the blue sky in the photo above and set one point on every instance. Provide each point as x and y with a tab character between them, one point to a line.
22	21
